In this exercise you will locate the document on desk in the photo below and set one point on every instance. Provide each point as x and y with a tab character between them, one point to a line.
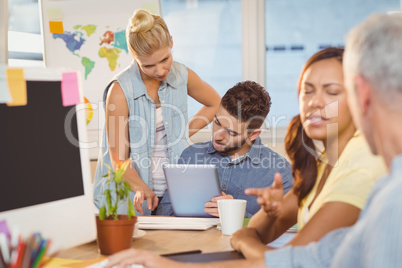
176	223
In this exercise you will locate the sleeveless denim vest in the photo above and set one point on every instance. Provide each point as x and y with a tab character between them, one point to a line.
142	126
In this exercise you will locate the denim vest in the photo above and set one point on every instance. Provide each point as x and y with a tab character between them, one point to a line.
142	126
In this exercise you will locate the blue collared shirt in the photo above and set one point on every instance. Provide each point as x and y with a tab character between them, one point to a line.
374	241
256	169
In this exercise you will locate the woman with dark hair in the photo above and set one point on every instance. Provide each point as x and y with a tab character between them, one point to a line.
331	186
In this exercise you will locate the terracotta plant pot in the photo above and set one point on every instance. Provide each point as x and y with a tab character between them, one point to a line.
115	235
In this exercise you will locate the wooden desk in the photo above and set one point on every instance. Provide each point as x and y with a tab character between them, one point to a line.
161	242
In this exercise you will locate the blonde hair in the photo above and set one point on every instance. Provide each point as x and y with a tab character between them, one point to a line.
146	33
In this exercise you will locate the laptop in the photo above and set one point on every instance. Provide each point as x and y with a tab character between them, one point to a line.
190	187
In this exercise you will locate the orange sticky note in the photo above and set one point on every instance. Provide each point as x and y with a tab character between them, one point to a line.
17	86
56	27
69	89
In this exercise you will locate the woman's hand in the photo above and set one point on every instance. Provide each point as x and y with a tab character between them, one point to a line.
270	198
244	236
143	193
142	257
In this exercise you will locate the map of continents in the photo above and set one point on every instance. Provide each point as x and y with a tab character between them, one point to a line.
110	46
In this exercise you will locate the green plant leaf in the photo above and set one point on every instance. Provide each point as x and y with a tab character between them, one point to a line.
108	198
121	189
127	187
131	211
118	176
122	193
113	210
126	192
108	167
102	213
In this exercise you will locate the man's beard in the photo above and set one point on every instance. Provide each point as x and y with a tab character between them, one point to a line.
232	148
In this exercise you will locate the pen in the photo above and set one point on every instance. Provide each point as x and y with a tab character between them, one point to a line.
41	261
41	252
15	235
27	254
48	259
37	242
20	252
5	251
182	253
16	245
2	263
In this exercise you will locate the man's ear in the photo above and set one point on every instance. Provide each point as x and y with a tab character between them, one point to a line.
253	135
171	42
363	94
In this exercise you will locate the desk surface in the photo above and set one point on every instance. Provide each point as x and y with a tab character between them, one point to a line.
161	242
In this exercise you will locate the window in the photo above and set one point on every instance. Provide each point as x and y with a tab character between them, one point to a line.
24	34
295	30
207	39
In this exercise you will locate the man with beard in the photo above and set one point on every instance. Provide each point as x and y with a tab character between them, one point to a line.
236	149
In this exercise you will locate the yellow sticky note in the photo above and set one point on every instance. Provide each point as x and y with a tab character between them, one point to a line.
56	27
150	7
54	14
17	86
58	262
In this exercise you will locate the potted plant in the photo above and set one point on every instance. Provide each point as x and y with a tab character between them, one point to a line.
114	231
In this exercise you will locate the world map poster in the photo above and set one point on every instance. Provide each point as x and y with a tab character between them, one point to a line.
98	51
91	39
111	44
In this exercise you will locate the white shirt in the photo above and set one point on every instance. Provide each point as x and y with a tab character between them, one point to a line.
159	156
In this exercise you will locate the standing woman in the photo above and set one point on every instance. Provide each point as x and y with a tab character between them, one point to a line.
330	188
146	113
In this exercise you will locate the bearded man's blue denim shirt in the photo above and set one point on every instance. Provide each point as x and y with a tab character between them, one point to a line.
256	169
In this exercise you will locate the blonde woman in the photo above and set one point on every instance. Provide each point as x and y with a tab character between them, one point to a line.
146	113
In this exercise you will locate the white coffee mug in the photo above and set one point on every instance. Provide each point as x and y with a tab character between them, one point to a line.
231	214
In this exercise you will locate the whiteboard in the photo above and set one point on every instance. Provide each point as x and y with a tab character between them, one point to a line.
94	44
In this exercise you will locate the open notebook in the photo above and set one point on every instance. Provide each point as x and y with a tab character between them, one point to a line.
176	223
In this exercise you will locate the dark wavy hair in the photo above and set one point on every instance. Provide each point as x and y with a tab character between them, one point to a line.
299	147
248	101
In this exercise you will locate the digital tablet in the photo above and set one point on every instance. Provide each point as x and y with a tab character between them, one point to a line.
190	187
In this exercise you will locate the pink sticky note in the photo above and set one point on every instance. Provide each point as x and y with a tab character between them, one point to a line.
69	89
